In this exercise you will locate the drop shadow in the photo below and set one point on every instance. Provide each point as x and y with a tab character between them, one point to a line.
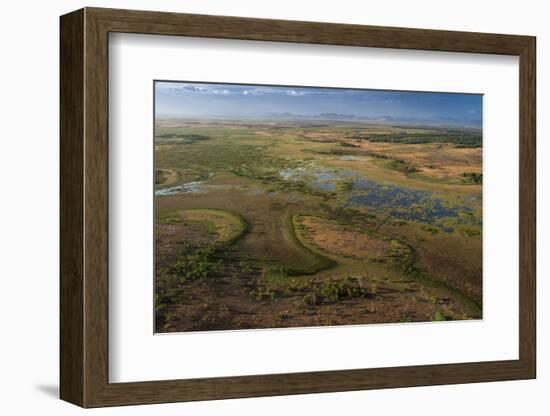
51	390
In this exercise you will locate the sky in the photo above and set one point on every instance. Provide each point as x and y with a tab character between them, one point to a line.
214	100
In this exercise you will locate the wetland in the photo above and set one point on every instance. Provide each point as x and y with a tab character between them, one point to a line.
273	223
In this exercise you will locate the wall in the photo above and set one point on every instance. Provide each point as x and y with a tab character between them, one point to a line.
29	209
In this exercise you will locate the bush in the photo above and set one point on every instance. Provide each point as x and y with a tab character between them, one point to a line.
402	166
264	293
442	317
334	291
472	177
310	299
430	229
199	265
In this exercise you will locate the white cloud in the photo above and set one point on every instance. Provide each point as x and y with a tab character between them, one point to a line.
260	91
188	88
295	93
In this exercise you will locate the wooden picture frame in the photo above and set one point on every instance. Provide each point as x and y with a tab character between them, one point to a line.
84	207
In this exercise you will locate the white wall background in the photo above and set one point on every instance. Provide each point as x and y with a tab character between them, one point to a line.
29	207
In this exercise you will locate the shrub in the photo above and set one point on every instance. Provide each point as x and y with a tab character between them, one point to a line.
402	166
263	293
472	177
334	291
442	317
430	229
199	265
310	299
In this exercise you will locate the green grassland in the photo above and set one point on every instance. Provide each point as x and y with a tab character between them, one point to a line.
285	224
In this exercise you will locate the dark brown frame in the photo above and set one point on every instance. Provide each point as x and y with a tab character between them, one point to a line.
84	208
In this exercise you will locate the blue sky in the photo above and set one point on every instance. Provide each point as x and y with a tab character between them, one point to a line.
211	100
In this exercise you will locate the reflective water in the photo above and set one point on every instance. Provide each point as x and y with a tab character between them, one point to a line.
189	187
405	203
320	178
353	157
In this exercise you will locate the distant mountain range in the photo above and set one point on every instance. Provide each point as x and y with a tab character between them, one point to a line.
384	119
328	116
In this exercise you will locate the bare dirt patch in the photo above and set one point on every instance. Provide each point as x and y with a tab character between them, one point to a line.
344	241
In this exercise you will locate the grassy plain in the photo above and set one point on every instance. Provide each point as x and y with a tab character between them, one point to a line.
263	224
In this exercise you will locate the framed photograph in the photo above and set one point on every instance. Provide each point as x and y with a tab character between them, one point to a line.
260	207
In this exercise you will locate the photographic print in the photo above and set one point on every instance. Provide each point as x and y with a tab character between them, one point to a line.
289	206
